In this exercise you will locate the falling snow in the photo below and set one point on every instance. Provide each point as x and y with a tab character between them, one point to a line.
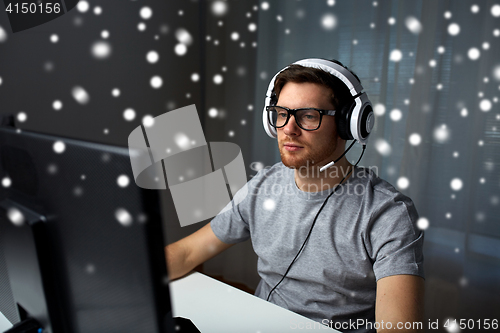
256	166
123	180
485	105
422	223
413	24
22	116
101	50
57	105
146	13
495	10
141	26
124	217
59	147
182	141
82	6
6	182
453	29
383	147
403	183
329	21
396	115
156	82
148	120
473	53
15	216
180	49
269	204
442	134
396	55
90	269
213	112
3	35
183	36
379	109
456	184
152	57
52	169
80	95
219	8
453	326
129	114
218	79
415	139
496	72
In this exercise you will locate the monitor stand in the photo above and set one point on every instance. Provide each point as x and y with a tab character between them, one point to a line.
28	258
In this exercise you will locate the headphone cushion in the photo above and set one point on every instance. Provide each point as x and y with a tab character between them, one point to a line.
343	121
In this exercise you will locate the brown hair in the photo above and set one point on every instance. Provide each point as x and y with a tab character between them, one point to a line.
300	74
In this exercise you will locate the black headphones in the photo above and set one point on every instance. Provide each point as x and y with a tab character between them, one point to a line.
355	120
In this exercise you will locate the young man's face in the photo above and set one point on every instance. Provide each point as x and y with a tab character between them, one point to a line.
300	148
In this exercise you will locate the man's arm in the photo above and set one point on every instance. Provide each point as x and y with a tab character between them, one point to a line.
400	299
193	250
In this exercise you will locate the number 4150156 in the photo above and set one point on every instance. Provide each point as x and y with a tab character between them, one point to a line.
470	324
24	8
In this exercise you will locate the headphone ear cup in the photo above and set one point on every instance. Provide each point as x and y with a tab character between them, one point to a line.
343	119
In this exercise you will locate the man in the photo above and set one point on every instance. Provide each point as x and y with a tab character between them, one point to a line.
339	245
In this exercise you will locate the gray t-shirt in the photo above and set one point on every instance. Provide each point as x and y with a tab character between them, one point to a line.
366	231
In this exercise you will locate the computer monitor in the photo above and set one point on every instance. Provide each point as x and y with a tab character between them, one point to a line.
81	246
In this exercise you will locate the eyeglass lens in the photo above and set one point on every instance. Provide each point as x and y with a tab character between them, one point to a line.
307	118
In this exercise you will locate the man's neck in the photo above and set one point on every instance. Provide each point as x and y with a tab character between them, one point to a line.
311	180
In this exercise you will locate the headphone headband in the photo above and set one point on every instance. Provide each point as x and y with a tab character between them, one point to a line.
338	71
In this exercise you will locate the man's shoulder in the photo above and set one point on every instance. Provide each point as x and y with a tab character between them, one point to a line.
379	189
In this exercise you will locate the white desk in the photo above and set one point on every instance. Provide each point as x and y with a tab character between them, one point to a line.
4	323
216	307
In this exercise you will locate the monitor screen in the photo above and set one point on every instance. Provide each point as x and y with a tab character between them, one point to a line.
81	246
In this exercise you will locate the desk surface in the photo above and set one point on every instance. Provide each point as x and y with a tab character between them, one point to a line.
214	306
4	323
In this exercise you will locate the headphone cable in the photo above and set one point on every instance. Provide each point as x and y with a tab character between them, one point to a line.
314	222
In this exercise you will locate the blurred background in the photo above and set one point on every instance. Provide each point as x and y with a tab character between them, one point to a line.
431	69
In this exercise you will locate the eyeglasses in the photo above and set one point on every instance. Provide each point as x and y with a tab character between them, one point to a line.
309	119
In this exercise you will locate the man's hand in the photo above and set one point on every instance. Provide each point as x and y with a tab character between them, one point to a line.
400	301
193	250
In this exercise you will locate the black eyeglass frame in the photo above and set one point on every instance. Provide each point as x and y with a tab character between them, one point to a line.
293	111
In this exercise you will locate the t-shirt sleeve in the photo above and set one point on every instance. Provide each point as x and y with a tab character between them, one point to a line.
231	225
395	242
